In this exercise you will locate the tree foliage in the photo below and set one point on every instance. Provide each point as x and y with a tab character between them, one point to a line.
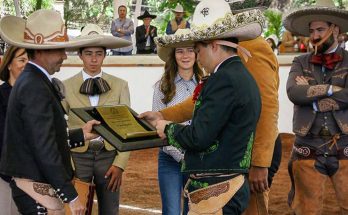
26	7
163	11
78	13
274	23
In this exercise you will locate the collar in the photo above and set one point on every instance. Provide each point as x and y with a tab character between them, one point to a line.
333	50
178	78
86	76
42	70
217	67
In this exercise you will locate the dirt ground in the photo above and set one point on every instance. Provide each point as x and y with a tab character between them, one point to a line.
140	191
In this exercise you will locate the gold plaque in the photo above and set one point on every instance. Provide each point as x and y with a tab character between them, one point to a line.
121	121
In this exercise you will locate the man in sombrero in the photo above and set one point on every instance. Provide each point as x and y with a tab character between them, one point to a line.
318	87
36	141
219	141
98	162
145	34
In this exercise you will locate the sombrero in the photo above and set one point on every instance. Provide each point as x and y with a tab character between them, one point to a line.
93	31
44	29
146	14
166	52
297	21
214	20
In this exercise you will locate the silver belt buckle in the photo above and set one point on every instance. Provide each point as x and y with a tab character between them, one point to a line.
96	145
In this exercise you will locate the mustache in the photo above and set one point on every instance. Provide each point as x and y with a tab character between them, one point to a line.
316	40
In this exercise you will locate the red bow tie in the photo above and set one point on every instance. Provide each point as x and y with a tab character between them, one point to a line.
327	60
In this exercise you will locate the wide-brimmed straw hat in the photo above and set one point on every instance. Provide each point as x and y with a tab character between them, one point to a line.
298	21
166	52
178	9
214	20
93	31
44	29
146	14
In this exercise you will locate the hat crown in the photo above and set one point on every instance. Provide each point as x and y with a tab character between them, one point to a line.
325	3
91	29
178	8
209	12
45	27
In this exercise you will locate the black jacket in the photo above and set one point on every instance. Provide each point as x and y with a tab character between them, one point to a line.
141	39
36	140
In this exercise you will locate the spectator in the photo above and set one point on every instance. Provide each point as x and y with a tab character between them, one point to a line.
14	61
178	82
272	40
123	27
178	22
145	34
289	42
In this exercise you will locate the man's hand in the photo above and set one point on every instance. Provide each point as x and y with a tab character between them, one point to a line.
258	179
76	207
151	116
161	125
88	130
301	80
114	174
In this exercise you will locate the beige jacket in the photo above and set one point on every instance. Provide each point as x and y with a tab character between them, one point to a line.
119	94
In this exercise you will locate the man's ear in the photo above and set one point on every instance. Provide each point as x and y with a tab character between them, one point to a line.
336	31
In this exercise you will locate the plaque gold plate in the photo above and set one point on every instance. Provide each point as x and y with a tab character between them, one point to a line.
121	127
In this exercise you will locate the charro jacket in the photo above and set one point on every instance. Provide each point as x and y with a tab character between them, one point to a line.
119	94
303	96
223	123
36	140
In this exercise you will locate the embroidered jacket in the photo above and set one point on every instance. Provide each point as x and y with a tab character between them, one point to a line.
221	133
317	94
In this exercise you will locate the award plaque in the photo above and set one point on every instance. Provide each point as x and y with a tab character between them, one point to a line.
121	127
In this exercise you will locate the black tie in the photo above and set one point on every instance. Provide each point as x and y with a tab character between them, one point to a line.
94	86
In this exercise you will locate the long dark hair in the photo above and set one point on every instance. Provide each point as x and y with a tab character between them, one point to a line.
6	60
167	85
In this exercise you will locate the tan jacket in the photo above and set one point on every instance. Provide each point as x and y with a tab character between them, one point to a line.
119	94
264	68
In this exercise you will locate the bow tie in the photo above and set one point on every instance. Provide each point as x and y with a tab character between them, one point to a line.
327	60
94	86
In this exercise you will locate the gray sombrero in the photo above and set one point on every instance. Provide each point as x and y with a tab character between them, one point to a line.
297	21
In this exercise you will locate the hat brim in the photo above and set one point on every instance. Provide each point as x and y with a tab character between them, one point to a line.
244	26
15	36
147	16
297	22
106	41
166	52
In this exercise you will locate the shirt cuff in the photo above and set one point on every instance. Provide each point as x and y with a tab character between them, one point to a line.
315	108
330	92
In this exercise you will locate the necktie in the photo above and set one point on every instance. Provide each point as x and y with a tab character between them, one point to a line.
94	86
199	88
327	60
59	87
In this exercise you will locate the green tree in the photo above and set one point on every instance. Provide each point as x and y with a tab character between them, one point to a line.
26	7
274	23
78	13
300	3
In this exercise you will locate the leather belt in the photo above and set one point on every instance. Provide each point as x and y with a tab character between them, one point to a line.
305	153
96	145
